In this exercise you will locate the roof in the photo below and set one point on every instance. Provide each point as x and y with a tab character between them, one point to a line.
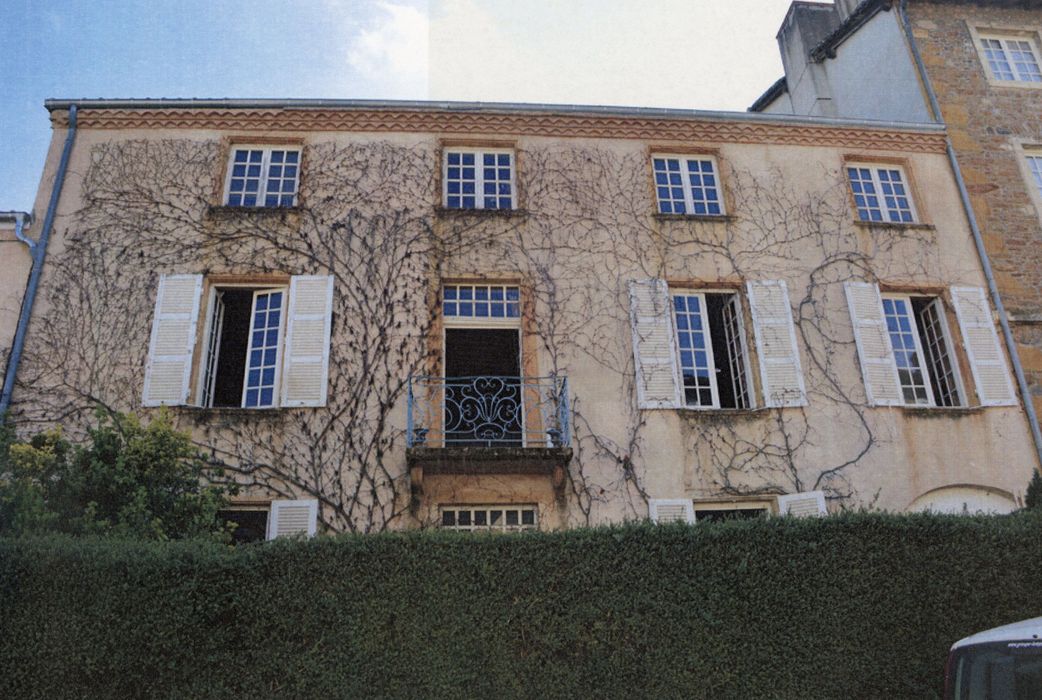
776	90
10	217
854	21
54	105
1025	629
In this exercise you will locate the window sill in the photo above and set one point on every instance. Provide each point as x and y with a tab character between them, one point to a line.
717	218
941	411
446	213
1016	84
230	411
895	226
225	210
722	414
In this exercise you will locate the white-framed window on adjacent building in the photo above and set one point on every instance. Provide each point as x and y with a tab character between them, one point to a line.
711	351
687	185
479	178
251	345
1011	58
1034	162
262	176
881	193
490	518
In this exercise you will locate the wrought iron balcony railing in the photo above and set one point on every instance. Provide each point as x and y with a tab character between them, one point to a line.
488	412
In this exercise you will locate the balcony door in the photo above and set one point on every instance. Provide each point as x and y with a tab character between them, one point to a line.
483	405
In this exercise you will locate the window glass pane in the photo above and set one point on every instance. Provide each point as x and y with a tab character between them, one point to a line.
263	351
695	365
491	300
902	330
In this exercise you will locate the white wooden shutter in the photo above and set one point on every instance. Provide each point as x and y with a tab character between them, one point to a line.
292	518
882	385
305	375
653	355
671	510
169	364
990	373
807	503
780	370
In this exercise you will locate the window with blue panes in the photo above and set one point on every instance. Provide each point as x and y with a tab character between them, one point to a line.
241	365
687	185
476	179
881	194
263	350
710	346
926	367
485	301
263	177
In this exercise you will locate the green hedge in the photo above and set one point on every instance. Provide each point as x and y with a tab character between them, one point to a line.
855	606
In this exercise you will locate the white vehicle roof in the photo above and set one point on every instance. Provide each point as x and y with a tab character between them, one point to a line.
1025	629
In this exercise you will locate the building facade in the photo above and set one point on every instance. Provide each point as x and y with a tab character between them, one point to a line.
399	315
15	263
981	61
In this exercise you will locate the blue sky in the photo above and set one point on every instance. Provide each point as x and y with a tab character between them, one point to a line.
709	54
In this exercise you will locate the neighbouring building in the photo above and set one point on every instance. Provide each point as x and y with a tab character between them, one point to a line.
395	315
15	263
983	63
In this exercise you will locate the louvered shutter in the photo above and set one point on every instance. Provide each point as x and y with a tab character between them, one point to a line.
780	370
653	356
671	510
292	518
990	373
169	365
305	375
882	385
805	504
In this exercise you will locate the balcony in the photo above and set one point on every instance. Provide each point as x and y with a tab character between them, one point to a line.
488	425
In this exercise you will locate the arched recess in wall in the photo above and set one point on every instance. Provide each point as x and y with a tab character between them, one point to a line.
965	499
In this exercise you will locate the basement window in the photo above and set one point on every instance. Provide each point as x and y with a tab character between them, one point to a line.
242	351
922	346
713	360
497	518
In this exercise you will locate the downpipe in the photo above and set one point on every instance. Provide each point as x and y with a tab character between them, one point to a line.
38	251
978	239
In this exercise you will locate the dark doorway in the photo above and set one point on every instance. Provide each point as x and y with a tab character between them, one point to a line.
729	514
483	387
231	351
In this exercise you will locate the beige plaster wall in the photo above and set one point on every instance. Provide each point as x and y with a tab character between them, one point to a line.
587	230
15	263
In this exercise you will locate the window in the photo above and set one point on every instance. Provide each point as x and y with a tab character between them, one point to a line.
1011	59
922	350
481	301
479	179
242	350
256	523
687	185
880	193
738	510
497	518
711	350
241	344
1035	166
260	176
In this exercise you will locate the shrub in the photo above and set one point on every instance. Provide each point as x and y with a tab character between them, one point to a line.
849	606
128	479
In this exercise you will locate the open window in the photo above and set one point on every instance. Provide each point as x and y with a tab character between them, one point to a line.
243	348
711	349
253	345
490	518
483	384
926	366
266	521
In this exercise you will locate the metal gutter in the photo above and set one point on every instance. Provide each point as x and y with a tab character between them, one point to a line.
485	107
978	238
38	250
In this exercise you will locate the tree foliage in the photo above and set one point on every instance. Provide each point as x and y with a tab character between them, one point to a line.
127	478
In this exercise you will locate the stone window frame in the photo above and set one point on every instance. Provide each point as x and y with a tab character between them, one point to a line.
688	151
479	146
1022	150
1005	31
223	167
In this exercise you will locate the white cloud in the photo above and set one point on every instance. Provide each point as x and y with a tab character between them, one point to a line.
390	53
